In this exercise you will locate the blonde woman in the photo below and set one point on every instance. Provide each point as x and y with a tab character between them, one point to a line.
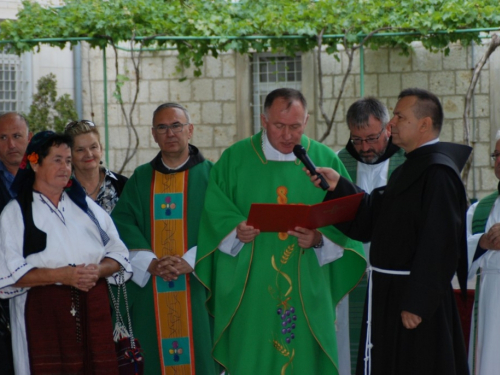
100	184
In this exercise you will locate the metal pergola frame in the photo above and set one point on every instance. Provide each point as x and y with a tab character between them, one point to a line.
252	37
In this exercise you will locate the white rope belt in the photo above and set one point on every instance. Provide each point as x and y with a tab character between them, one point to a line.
490	271
368	343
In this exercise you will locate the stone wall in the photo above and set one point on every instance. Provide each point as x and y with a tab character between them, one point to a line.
219	104
387	72
9	8
210	99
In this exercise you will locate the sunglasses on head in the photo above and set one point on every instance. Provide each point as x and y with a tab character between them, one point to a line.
74	124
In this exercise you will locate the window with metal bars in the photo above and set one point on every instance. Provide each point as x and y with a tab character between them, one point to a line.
11	82
269	72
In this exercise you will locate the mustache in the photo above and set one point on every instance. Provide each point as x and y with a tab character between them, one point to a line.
370	151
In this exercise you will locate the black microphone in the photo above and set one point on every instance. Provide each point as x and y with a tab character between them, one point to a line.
301	154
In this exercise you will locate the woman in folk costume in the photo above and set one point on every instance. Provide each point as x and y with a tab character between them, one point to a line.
56	248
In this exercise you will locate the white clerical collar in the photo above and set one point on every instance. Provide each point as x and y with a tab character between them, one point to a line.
178	167
271	153
436	140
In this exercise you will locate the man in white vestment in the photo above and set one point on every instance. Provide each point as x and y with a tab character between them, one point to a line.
483	243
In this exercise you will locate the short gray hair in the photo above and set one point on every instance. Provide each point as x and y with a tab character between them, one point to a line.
172	105
18	115
359	112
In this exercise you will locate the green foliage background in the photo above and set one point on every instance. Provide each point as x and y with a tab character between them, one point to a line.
47	111
222	23
196	28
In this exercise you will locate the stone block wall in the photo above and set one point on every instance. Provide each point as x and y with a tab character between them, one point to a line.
210	100
220	119
387	72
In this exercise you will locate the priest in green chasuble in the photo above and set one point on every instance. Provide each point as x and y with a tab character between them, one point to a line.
273	295
158	217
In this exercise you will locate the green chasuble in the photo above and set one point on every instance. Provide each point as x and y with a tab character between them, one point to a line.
132	216
273	304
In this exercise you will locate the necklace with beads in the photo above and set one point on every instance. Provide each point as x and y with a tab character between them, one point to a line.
101	179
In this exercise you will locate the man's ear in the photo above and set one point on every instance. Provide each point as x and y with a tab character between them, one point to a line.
263	121
307	119
153	132
426	125
388	130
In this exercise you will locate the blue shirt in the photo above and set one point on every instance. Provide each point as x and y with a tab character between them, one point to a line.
7	178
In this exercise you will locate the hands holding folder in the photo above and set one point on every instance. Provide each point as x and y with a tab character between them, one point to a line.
300	220
306	237
267	217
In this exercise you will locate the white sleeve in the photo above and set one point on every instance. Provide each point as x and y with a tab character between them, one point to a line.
231	245
140	260
115	248
190	256
13	265
329	252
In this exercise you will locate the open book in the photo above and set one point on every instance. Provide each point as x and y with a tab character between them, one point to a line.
269	217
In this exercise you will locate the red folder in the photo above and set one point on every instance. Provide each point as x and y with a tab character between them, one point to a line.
283	217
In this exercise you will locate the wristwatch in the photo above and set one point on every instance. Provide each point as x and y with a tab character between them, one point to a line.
320	243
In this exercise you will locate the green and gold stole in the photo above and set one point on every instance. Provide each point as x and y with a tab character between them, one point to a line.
482	213
172	298
351	164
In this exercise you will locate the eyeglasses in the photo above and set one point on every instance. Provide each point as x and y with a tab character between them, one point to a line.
174	128
495	155
74	124
369	140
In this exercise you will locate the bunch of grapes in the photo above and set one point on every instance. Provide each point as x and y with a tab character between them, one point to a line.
288	320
